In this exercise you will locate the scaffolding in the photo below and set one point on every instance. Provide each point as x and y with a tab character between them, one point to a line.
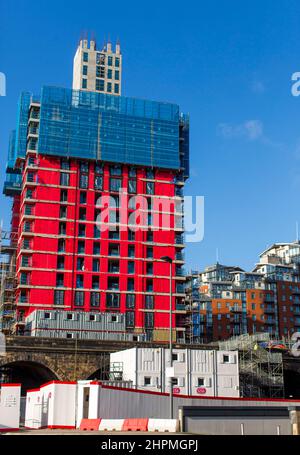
261	371
8	281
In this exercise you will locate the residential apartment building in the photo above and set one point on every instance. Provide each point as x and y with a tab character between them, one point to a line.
225	301
97	186
196	372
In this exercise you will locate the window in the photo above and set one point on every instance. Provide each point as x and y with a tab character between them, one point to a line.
131	267
84	70
117	75
115	184
82	197
114	235
62	228
96	232
92	317
81	247
100	58
95	282
115	171
24	278
131	251
131	186
129	319
60	262
113	250
225	358
29	194
79	298
117	62
131	235
116	88
79	281
149	269
149	320
98	182
109	87
64	179
30	177
112	300
63	195
147	380
96	265
63	211
84	83
80	263
149	302
31	161
25	261
200	382
99	168
47	316
149	286
150	238
109	60
59	297
130	300
84	181
81	230
95	299
85	57
26	244
113	266
100	71
149	188
84	166
96	248
130	284
70	317
60	280
109	74
113	283
149	174
100	83
82	214
149	252
27	226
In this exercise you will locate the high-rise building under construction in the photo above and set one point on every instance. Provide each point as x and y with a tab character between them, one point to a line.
97	180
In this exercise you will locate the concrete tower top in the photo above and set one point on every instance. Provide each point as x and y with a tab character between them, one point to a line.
96	70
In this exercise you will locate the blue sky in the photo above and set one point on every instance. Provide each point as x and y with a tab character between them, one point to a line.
228	63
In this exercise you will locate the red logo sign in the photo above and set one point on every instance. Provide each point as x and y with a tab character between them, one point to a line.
201	390
176	390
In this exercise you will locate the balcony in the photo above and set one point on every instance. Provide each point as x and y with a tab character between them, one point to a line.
179	257
269	309
270	321
34	114
236	309
179	240
33	131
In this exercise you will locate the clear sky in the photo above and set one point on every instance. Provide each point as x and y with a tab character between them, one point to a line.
227	62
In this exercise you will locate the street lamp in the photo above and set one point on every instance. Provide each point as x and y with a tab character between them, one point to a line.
170	261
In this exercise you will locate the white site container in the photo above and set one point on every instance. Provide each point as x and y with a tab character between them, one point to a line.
196	372
51	406
33	411
10	397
